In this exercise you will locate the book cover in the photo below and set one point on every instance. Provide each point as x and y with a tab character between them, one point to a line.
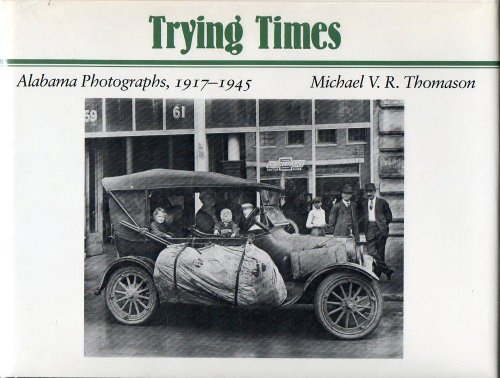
250	188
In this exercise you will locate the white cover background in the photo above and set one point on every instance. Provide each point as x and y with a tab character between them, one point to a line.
451	168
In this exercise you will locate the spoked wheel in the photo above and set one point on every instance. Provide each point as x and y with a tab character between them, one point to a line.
131	295
348	305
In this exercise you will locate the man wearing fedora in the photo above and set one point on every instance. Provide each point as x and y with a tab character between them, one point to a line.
377	216
343	218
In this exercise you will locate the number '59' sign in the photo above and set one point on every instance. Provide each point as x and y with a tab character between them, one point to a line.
90	115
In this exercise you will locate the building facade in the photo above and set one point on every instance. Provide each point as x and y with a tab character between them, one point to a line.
308	147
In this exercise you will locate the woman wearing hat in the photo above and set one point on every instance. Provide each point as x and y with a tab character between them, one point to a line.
206	218
316	218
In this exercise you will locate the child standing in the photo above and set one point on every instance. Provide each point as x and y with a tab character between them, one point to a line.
316	218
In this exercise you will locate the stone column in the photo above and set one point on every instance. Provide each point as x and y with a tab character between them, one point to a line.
200	142
388	162
233	166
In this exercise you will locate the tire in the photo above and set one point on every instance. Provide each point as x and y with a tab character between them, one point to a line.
348	305
131	296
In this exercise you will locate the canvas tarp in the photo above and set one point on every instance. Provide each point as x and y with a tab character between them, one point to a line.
314	253
242	275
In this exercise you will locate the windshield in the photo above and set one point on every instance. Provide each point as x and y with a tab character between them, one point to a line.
275	215
270	197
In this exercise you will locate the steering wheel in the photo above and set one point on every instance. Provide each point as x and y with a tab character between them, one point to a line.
291	227
249	221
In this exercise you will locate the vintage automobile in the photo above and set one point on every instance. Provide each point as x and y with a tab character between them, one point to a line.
339	280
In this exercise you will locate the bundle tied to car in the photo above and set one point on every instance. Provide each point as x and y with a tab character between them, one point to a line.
243	275
313	253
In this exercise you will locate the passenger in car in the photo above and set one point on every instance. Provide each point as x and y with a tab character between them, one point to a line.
162	223
226	227
206	219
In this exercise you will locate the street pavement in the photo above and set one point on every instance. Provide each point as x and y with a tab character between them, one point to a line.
201	331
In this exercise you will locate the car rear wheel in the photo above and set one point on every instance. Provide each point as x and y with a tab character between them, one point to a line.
348	305
131	295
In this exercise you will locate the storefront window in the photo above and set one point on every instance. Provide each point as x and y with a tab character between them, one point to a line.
327	137
93	115
342	111
119	114
150	152
149	114
357	135
285	112
295	137
325	170
230	113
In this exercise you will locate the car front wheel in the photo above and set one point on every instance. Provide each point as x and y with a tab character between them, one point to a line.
131	295
348	305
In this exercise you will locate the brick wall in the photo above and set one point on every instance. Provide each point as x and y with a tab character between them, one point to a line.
281	149
341	150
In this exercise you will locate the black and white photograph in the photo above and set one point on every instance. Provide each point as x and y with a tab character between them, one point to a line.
268	228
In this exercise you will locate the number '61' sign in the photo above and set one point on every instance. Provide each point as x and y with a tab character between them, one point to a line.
179	111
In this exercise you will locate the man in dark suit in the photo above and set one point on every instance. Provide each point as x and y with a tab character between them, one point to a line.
343	218
376	218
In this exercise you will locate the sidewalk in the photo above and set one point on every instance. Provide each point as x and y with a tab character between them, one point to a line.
391	290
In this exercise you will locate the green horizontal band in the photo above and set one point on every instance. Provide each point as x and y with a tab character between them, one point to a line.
249	63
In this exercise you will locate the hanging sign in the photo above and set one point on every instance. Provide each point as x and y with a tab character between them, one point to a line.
284	164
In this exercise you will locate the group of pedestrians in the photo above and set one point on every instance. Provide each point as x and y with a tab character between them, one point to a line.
348	218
